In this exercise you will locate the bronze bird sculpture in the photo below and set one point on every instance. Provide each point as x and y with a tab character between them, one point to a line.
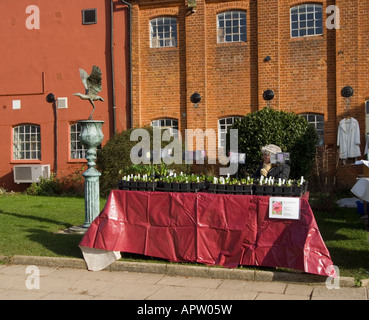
92	84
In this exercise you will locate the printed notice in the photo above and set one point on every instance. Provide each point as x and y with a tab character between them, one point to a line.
284	208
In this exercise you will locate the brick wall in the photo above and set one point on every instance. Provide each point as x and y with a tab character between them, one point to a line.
306	74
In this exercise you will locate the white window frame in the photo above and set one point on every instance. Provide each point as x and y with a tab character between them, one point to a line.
232	26
306	20
223	129
317	121
163	32
77	150
27	142
167	123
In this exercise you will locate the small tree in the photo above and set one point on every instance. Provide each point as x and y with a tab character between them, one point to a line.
287	130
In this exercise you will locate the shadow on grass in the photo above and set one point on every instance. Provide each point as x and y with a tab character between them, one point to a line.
64	245
36	218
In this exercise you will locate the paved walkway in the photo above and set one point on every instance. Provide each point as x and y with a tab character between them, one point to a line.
19	283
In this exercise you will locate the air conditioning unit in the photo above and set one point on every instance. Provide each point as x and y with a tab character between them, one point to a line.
30	173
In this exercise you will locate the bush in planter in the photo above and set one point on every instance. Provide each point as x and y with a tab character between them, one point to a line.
287	130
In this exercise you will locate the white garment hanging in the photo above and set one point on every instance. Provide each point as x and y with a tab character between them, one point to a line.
348	138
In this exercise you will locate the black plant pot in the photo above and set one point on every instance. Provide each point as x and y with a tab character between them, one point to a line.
247	189
297	191
287	191
197	186
229	188
277	191
123	185
259	190
142	185
151	186
185	187
212	187
167	186
176	187
268	190
221	188
239	189
133	185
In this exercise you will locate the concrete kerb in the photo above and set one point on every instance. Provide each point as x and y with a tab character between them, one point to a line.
178	269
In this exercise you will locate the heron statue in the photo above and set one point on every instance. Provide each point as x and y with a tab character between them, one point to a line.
92	84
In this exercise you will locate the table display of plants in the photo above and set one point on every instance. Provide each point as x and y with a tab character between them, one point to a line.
173	182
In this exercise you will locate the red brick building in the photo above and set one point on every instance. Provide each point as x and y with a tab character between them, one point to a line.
231	51
44	43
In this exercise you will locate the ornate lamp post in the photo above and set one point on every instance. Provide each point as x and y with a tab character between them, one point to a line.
91	137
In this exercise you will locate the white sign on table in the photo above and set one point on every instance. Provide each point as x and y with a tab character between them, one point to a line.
284	208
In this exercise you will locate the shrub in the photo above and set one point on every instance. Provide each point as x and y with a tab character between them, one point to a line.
287	130
114	161
71	184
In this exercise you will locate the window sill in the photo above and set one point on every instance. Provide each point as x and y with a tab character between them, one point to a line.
77	161
239	44
25	161
307	38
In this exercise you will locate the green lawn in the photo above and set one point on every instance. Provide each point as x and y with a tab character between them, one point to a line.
345	235
29	226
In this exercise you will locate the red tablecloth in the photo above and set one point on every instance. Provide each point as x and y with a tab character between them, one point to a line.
214	229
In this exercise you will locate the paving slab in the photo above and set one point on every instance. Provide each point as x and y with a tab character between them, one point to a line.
177	293
276	296
229	294
191	282
299	290
129	291
322	293
269	287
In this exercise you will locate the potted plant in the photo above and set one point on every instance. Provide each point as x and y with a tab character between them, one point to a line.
278	189
133	184
259	187
167	184
123	184
207	181
238	186
196	183
185	185
287	188
142	183
221	186
176	183
151	184
248	186
298	188
213	185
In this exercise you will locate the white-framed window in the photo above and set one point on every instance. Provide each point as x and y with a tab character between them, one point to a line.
231	26
317	121
163	32
224	124
171	124
306	20
77	150
27	142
